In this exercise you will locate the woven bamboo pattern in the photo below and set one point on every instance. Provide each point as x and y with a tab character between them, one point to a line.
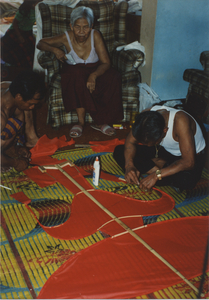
29	256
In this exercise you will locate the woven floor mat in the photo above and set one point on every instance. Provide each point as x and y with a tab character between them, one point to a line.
29	256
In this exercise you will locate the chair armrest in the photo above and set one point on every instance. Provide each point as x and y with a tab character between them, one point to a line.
48	61
131	79
125	61
204	60
197	78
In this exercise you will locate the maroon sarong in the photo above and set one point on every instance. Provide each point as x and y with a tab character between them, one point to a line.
105	103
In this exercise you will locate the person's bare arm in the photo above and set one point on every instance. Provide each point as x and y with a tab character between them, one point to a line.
185	137
52	44
131	173
19	164
103	58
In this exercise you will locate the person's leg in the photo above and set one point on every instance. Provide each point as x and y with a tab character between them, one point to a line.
108	100
75	94
186	179
81	112
118	155
77	130
30	132
142	160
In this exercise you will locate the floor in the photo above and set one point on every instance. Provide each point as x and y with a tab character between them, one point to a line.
89	134
40	118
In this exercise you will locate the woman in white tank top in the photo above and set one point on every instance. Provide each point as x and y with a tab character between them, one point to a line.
88	82
73	58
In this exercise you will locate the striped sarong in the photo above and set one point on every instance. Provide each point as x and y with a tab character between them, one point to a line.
13	128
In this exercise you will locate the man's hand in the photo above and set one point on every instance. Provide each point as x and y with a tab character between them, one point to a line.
148	182
23	151
21	164
132	175
91	82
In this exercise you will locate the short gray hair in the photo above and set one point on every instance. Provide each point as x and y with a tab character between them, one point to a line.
82	12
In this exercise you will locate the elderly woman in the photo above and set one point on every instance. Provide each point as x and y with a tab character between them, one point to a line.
89	84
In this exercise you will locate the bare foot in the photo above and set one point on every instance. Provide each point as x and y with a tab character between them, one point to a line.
22	151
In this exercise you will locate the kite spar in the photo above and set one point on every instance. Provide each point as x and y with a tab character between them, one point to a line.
116	219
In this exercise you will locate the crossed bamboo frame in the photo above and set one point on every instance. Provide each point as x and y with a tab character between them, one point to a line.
59	167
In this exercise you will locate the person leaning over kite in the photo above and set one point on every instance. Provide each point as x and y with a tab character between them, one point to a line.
18	99
171	150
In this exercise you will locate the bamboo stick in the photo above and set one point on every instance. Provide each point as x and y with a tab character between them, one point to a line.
124	226
84	145
5	187
123	217
53	167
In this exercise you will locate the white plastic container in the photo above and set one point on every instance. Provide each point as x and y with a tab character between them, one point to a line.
96	171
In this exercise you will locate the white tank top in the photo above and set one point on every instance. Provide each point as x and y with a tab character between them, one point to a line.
169	143
73	58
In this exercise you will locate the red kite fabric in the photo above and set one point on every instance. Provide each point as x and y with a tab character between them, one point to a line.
106	146
44	179
53	176
21	197
46	146
87	217
121	267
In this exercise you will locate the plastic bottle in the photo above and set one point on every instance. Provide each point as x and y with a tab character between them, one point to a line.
96	171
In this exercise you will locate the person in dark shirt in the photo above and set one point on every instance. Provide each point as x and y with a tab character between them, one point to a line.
18	43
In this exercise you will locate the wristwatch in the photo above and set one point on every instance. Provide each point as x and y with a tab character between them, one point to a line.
158	173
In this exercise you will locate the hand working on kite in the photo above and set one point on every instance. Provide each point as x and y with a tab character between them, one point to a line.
147	183
132	176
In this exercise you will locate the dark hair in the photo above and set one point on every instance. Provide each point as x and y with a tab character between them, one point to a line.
148	126
26	6
27	84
